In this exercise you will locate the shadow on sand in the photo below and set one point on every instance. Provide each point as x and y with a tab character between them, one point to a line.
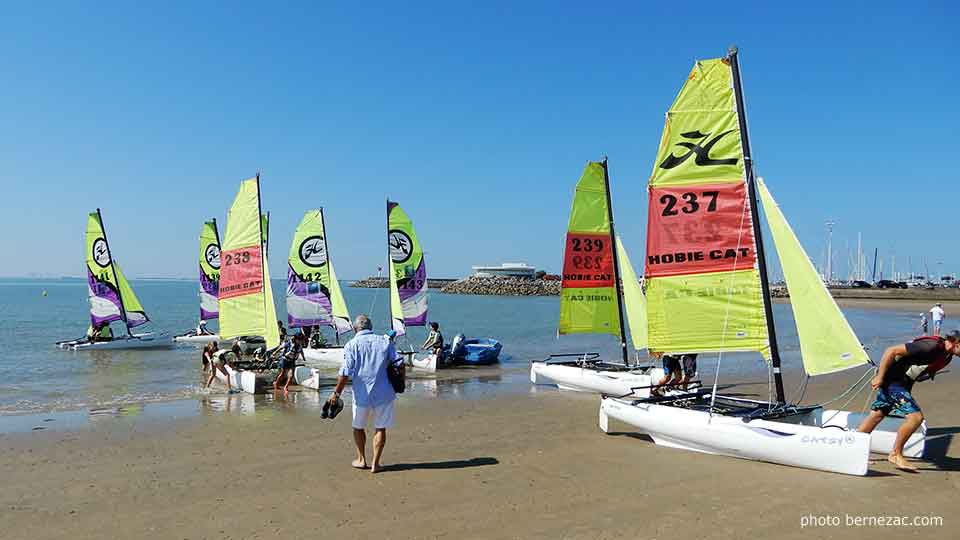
452	464
938	443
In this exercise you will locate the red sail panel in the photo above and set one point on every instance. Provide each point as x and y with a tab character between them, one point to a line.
587	261
699	229
242	272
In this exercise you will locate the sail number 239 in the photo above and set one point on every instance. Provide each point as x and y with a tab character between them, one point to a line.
691	203
237	258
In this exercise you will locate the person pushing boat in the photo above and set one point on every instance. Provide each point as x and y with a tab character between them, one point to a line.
894	382
219	361
206	357
292	350
99	333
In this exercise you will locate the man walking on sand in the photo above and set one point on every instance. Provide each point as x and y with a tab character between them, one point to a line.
365	361
895	379
937	315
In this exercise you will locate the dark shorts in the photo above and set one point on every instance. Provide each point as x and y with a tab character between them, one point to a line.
671	364
689	362
287	363
895	399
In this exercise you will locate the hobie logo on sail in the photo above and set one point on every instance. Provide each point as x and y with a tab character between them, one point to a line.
401	246
212	256
100	253
313	251
700	149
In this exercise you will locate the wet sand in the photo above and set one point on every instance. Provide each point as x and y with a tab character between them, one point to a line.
519	466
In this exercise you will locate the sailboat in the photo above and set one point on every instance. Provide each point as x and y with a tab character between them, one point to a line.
246	297
314	297
209	283
598	285
111	297
408	281
707	291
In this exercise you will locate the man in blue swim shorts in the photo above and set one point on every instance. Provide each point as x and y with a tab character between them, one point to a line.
894	382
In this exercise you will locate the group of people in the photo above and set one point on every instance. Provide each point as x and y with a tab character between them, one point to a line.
937	315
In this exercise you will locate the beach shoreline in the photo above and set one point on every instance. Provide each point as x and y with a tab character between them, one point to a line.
529	465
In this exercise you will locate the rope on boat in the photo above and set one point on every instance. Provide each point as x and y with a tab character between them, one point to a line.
801	390
726	314
861	383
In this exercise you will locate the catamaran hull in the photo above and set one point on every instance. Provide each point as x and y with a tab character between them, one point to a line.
781	442
594	380
883	437
196	339
136	341
311	377
327	356
250	382
423	363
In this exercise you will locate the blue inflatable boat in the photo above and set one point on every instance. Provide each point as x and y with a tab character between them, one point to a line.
475	351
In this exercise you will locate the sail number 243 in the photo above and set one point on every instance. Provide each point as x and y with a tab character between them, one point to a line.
690	203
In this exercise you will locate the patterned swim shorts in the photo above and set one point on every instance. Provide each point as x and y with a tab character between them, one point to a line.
895	400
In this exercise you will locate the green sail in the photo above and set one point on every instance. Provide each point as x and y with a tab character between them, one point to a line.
209	270
408	272
588	295
634	303
313	293
827	342
131	304
246	297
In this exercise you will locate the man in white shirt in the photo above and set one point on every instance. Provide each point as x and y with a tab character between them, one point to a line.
937	315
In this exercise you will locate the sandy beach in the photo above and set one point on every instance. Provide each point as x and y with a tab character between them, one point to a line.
519	466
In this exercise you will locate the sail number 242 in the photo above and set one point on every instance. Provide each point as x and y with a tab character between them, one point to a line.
690	204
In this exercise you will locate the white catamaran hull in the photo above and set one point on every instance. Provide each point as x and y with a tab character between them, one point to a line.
198	339
327	356
147	340
311	377
594	380
423	363
781	442
250	382
883	437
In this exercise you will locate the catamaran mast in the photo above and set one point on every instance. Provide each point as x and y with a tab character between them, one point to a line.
389	272
263	259
616	263
757	232
326	252
116	280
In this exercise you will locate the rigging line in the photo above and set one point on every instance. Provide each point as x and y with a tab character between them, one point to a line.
376	292
726	314
801	390
861	382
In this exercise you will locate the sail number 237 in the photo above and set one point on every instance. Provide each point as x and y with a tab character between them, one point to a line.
690	204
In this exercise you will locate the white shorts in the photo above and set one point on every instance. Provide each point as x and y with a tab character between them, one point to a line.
382	416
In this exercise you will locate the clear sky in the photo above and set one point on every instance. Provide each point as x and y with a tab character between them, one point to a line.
476	117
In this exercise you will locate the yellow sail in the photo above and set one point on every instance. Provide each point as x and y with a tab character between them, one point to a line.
702	281
827	342
136	315
634	303
246	297
588	296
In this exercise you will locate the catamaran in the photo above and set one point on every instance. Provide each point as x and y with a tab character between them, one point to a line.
111	298
408	281
245	296
314	297
598	285
209	284
707	292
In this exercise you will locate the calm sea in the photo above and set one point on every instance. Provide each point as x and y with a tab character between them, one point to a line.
37	377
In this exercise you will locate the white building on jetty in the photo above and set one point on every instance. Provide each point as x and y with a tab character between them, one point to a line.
521	270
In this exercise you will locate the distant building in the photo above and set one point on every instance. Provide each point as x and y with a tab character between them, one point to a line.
521	270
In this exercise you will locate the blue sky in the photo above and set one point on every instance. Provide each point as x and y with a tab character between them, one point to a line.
476	117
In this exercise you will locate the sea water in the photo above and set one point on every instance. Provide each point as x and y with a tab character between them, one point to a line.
35	376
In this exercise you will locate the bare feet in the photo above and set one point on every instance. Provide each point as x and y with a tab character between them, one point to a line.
375	468
359	464
901	462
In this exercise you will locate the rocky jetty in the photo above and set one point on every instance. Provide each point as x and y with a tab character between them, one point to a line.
504	286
